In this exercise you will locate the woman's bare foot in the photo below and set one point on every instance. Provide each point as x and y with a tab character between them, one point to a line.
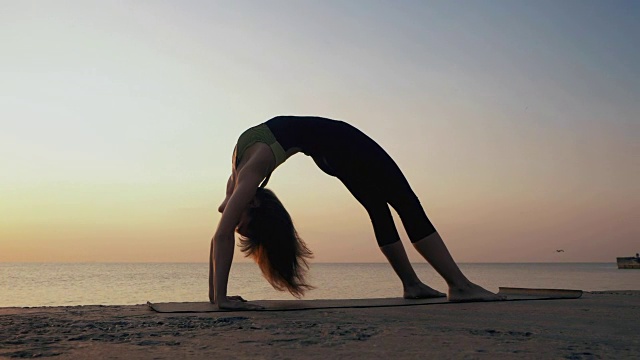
421	291
472	292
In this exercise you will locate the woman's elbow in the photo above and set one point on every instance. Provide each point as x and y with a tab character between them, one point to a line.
223	236
223	205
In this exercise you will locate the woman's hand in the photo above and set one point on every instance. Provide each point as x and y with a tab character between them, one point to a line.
236	298
230	304
230	298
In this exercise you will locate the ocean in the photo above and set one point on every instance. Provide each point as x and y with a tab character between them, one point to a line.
63	284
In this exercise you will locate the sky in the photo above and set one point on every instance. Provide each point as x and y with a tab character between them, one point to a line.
516	123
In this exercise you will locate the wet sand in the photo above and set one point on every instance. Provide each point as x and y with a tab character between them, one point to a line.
599	325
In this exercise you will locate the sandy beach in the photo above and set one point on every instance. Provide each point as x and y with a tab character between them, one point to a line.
599	325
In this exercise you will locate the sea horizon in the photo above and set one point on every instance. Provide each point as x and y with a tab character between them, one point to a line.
62	284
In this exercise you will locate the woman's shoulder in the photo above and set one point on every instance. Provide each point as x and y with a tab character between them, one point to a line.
298	117
258	156
297	120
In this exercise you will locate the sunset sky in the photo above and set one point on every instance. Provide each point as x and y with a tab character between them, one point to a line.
516	122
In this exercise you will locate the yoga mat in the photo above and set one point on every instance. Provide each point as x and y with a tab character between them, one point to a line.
512	294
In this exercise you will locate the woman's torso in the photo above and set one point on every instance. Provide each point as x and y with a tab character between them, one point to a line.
335	146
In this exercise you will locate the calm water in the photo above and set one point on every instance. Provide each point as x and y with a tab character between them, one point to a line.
82	284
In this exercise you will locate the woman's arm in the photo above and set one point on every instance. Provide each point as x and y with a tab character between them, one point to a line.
223	241
212	293
231	184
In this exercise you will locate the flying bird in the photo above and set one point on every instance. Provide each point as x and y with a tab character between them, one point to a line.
560	250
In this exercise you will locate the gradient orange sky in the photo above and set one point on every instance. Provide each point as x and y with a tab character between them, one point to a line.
515	122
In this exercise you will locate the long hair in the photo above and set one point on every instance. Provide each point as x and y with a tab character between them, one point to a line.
273	242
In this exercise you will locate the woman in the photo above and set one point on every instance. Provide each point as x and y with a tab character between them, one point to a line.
267	233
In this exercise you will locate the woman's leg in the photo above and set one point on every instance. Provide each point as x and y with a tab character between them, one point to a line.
389	240
412	287
375	180
433	249
429	244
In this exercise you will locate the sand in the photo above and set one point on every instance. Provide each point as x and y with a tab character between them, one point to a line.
599	325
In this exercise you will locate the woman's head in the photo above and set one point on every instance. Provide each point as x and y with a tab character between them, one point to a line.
268	236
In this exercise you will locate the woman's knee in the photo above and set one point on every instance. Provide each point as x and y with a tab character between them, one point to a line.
414	218
383	226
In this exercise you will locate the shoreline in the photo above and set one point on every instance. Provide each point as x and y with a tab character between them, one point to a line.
3	309
600	324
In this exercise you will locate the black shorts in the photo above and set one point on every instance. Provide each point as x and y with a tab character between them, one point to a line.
367	171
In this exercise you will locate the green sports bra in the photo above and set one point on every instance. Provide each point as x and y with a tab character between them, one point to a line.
260	133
